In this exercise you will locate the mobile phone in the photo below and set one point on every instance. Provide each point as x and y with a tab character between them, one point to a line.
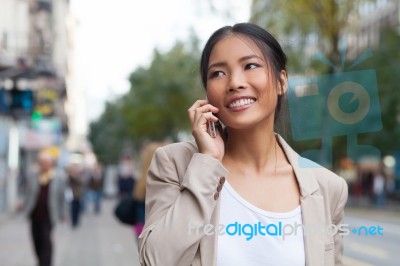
211	129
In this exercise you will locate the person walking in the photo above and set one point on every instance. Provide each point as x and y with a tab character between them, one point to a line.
126	178
76	184
45	206
378	189
95	187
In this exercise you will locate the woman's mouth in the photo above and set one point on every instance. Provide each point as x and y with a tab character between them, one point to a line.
241	102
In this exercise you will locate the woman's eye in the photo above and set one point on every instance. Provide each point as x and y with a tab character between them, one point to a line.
215	74
252	66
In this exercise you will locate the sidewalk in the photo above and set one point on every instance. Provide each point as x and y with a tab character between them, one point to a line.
99	241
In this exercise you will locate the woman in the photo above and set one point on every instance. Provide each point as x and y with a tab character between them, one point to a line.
45	205
202	197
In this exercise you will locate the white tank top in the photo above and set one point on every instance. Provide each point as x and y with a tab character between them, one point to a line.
267	245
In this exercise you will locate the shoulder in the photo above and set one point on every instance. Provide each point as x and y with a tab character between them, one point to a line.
314	178
184	148
334	189
178	152
331	186
330	181
312	173
173	157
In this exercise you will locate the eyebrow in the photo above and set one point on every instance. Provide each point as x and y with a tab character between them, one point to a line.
244	58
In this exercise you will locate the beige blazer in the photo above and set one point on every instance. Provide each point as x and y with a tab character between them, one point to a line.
182	189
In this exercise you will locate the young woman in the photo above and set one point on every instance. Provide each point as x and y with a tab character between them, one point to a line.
233	199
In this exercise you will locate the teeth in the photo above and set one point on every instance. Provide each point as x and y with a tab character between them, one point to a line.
241	102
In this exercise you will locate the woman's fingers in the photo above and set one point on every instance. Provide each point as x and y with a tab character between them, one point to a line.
201	120
199	108
193	108
201	114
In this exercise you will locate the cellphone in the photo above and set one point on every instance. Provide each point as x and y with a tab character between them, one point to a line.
211	129
211	126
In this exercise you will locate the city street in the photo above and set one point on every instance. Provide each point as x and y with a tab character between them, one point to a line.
100	241
89	95
362	250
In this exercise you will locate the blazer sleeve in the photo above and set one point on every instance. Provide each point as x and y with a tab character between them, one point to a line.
29	196
174	206
62	204
337	219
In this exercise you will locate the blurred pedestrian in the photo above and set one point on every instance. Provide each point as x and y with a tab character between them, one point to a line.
95	187
44	205
367	180
76	183
140	187
126	179
379	189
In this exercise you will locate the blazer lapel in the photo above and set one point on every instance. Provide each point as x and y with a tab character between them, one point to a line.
312	207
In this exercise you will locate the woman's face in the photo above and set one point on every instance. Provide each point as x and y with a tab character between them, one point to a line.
240	83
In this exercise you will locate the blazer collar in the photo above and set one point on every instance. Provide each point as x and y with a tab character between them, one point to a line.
302	168
312	203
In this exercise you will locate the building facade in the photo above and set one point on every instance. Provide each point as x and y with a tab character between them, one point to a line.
364	33
34	42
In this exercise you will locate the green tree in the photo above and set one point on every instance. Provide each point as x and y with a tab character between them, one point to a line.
160	94
108	135
155	107
386	62
300	24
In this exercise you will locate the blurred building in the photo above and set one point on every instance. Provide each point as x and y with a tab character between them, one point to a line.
35	39
365	33
75	107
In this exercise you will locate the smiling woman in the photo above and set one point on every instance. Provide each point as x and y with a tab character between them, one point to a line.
248	175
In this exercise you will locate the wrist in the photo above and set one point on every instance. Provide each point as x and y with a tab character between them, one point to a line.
212	154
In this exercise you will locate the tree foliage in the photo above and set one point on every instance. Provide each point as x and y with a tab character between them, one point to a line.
108	134
386	62
155	107
300	24
160	95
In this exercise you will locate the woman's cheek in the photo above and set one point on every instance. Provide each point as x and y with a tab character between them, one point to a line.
214	93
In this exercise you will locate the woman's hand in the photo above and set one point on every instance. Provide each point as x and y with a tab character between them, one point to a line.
200	113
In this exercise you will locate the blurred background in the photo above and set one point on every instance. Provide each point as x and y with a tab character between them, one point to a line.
94	83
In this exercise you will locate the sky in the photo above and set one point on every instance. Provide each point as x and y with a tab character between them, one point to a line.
114	37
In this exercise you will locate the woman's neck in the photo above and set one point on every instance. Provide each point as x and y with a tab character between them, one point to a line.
256	149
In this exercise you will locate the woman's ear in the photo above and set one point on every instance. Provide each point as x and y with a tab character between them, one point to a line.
282	83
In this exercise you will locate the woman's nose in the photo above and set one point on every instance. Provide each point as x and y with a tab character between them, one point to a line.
237	80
